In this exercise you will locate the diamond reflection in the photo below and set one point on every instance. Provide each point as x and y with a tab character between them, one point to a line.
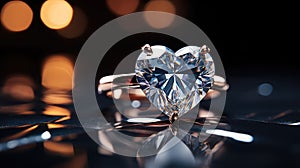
173	151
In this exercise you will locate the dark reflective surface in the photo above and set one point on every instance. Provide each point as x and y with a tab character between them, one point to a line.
40	134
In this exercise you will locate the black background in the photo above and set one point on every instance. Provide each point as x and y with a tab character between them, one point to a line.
257	42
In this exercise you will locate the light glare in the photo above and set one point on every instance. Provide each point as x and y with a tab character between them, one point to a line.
46	135
234	135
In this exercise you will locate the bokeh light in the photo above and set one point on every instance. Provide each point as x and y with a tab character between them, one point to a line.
76	27
19	87
56	14
16	16
122	7
136	104
157	20
58	73
265	89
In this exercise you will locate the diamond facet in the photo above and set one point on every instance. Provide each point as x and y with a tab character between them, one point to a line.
175	82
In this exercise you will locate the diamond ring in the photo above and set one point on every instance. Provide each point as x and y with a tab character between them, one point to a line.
174	82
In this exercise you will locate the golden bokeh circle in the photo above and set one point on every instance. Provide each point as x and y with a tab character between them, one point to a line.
56	14
16	16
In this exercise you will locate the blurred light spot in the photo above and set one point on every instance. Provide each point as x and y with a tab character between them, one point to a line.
265	89
63	149
56	14
135	104
122	7
117	93
12	144
56	111
157	20
16	16
77	25
234	135
19	87
46	135
143	120
58	73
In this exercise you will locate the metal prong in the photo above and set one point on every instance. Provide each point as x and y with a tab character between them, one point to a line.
147	49
204	49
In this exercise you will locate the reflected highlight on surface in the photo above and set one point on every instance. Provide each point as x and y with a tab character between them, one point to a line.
16	16
19	87
56	111
234	135
57	98
20	134
56	14
143	120
157	20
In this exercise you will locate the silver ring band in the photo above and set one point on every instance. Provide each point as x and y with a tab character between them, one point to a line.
111	82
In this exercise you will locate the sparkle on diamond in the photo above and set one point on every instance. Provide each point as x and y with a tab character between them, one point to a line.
175	82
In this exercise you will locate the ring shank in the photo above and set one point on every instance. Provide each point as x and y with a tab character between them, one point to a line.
111	82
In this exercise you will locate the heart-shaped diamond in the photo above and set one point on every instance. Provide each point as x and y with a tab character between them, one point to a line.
175	82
